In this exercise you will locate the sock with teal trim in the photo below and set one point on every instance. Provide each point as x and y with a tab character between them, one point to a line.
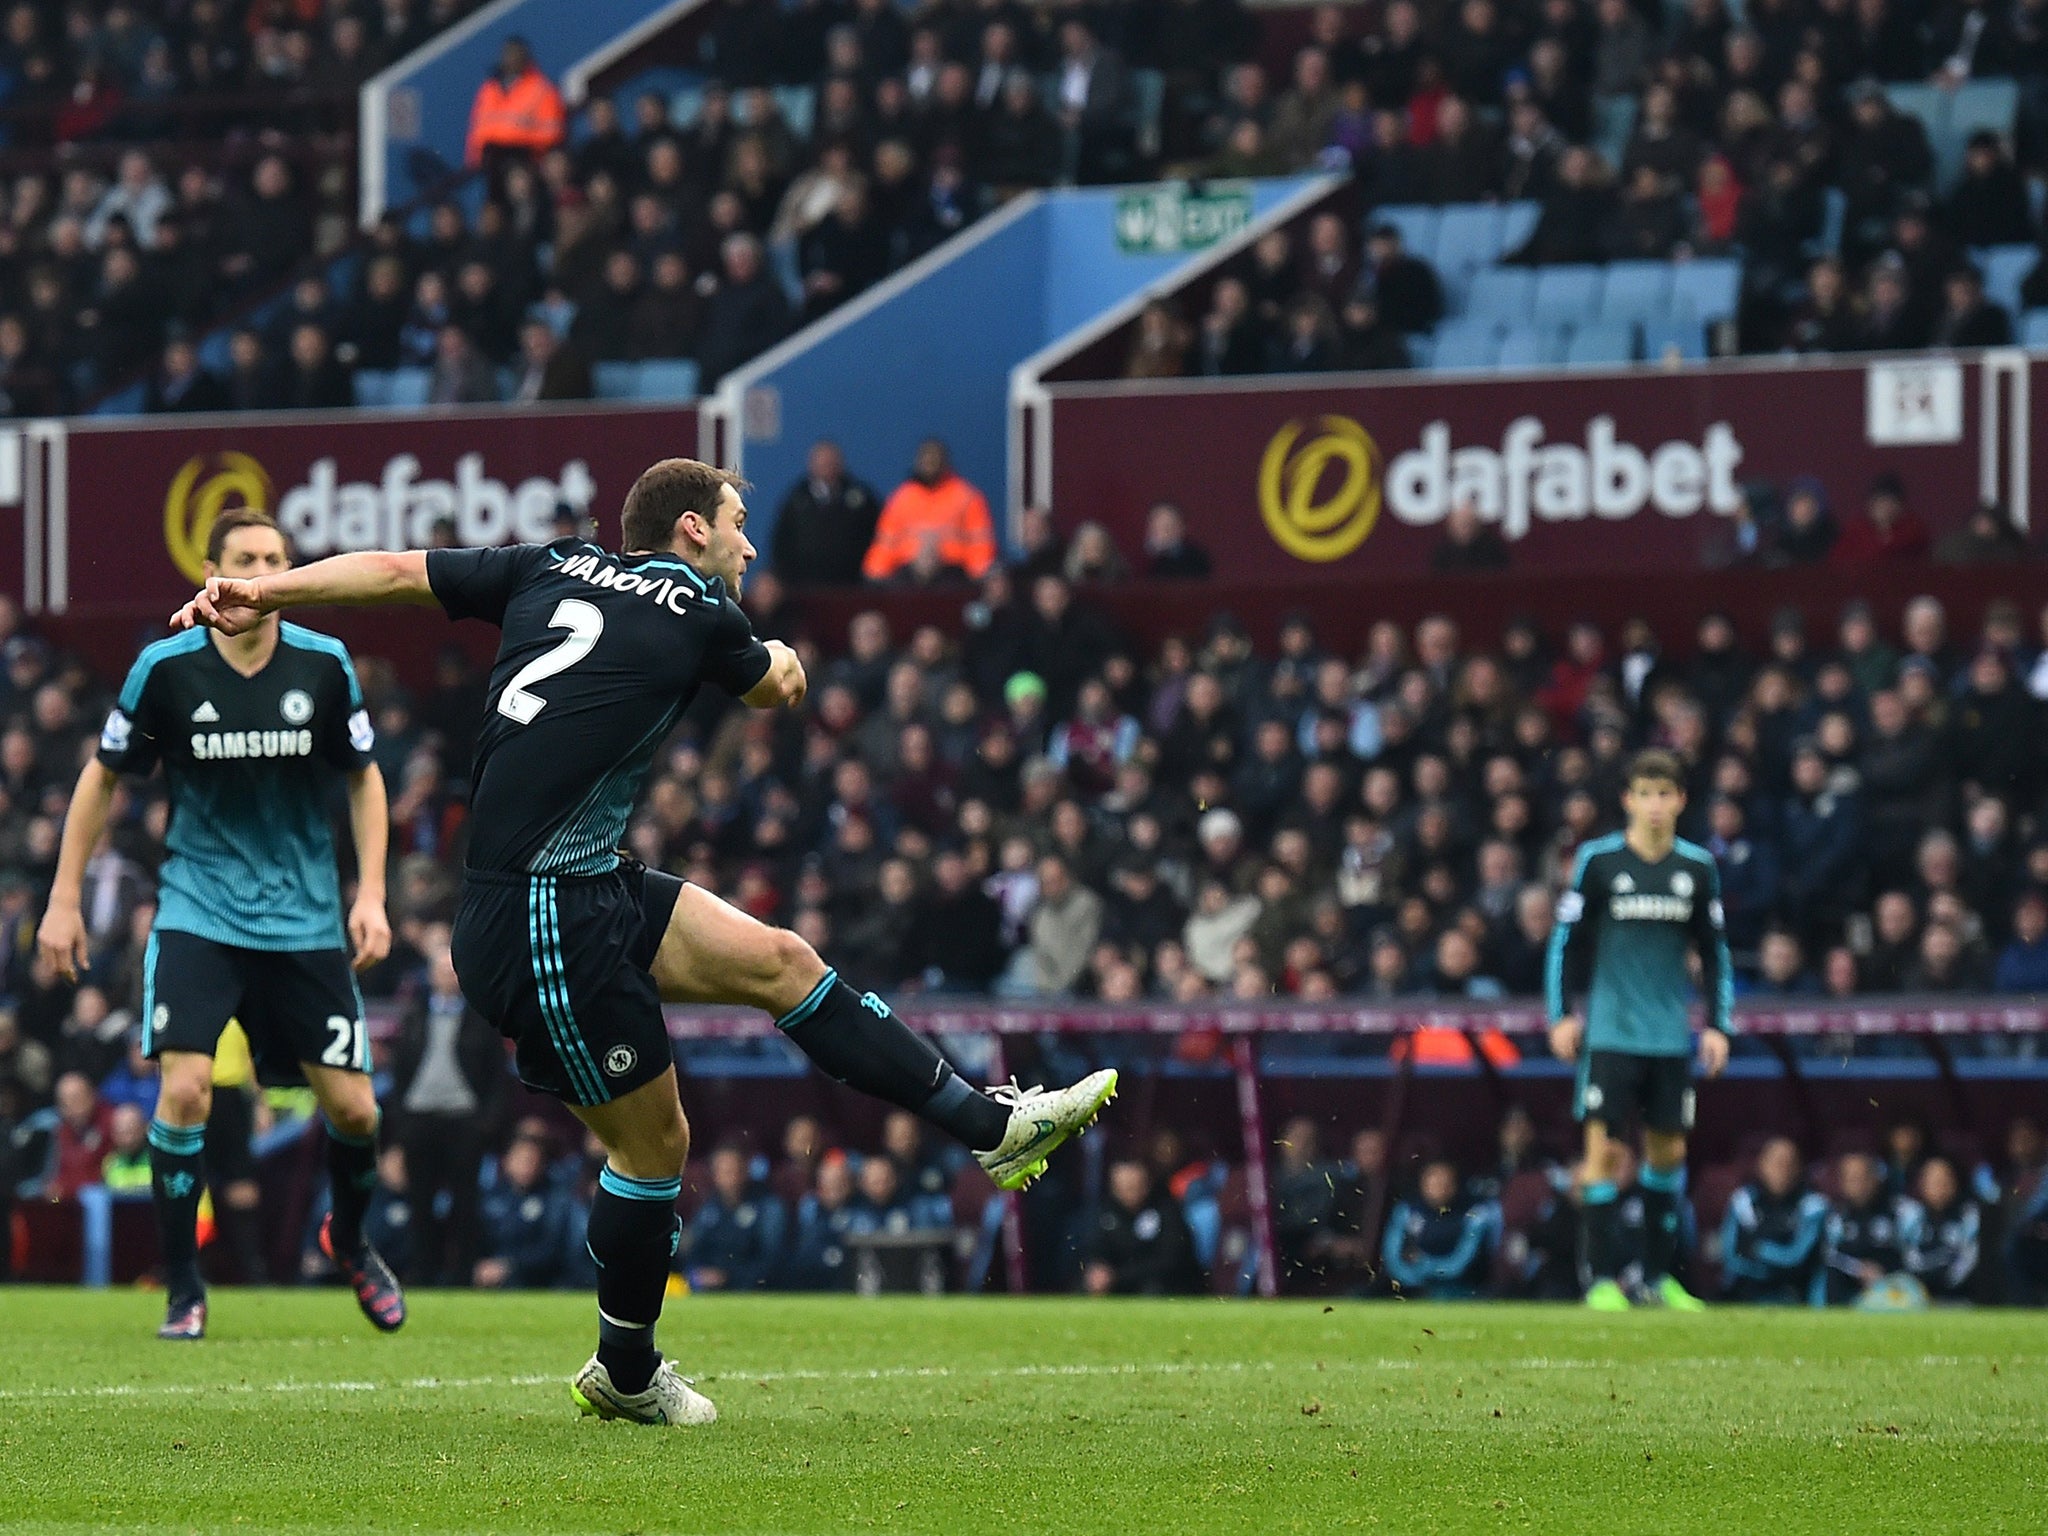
1663	1189
1602	1231
176	1178
856	1040
633	1235
351	1178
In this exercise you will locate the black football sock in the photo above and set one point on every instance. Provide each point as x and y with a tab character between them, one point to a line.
175	1180
856	1040
632	1240
1602	1235
1663	1188
351	1176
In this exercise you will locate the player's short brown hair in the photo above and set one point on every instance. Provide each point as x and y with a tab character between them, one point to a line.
237	518
1655	766
664	492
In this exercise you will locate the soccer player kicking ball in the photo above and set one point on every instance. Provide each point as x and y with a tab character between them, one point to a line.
250	727
1638	900
570	949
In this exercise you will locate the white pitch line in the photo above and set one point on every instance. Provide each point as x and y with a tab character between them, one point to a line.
924	1372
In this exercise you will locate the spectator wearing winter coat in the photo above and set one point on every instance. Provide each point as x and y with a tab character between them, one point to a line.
1140	1245
1063	929
1441	1243
1942	1232
1771	1237
527	1223
1887	531
734	1241
2023	963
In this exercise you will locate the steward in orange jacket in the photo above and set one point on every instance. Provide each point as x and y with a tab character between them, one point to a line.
934	506
517	108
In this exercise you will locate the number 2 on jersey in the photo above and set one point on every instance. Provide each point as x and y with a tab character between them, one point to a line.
585	622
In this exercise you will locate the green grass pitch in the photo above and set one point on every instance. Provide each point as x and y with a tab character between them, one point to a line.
966	1416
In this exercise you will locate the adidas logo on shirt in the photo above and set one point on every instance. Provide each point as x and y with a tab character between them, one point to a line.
206	714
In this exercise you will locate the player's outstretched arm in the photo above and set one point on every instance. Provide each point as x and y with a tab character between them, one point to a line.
61	937
785	684
233	606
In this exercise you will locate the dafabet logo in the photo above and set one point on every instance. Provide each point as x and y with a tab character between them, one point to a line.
200	491
1303	521
325	515
1321	495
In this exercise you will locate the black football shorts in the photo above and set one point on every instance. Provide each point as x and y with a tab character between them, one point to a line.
1618	1088
561	965
294	1005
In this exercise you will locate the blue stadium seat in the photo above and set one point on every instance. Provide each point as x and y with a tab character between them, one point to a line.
1565	295
1636	291
666	378
1614	120
2034	329
372	387
1992	104
1834	209
1500	293
799	105
785	263
1531	346
1706	290
1686	337
409	387
1465	344
216	352
1467	235
2005	267
615	381
1929	103
1456	283
1422	352
1517	224
1604	343
1416	221
1148	92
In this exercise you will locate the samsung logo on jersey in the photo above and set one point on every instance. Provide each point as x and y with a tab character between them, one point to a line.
213	746
666	591
1662	909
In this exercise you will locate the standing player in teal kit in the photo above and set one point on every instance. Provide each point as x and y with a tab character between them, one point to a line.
1638	901
251	730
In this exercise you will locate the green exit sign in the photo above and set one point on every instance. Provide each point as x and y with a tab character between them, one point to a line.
1178	218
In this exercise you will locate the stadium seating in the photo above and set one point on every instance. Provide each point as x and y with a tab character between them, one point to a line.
1601	344
1531	346
2005	267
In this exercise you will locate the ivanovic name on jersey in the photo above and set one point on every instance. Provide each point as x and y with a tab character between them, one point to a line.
600	571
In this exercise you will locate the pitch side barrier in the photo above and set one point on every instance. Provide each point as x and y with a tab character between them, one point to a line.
1477	1042
1442	1072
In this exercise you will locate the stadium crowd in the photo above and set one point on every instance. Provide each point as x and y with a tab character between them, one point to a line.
625	234
167	166
1039	811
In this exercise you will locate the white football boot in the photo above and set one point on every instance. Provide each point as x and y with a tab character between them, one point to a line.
1042	1120
669	1399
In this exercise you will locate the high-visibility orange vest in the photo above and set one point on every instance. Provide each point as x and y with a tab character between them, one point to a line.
527	114
952	513
1434	1046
